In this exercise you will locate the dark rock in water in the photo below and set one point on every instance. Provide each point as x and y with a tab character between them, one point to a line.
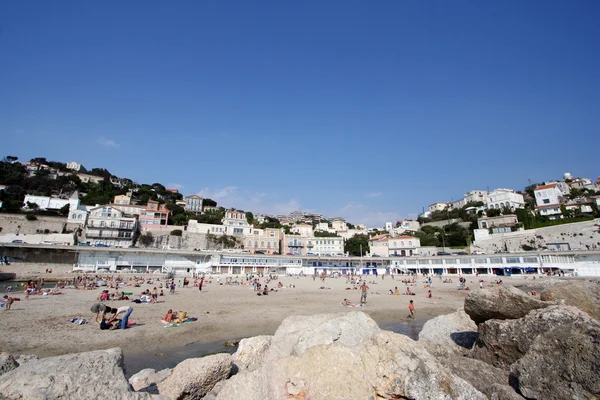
479	374
581	294
505	302
502	342
563	363
91	375
449	335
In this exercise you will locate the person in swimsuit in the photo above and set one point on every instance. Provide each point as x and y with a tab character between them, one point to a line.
363	293
411	309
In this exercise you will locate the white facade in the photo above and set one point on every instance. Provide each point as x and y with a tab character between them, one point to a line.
193	204
90	178
196	227
403	246
388	226
74	166
405	225
339	224
305	230
235	223
46	203
325	245
437	207
122	199
548	195
110	226
501	198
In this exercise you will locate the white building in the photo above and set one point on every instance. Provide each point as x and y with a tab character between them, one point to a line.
400	246
74	166
505	198
548	199
388	226
339	224
193	204
325	246
305	230
196	227
110	226
438	206
52	203
235	223
122	199
406	225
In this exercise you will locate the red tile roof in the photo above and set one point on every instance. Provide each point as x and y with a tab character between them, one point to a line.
550	186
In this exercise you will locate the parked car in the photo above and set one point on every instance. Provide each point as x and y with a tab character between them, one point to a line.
311	254
460	253
478	252
83	244
375	255
443	253
17	241
101	245
259	252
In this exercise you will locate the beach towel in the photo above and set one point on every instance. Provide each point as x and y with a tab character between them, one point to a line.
171	325
79	321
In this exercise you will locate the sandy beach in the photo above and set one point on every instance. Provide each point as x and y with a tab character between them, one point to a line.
41	325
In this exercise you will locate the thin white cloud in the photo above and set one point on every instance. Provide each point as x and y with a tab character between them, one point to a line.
107	142
177	186
374	195
260	202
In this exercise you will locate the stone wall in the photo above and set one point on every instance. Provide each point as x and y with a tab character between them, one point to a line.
578	236
40	255
18	223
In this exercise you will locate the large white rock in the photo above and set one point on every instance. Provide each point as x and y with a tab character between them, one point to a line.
449	335
385	365
298	333
251	352
195	377
147	380
91	375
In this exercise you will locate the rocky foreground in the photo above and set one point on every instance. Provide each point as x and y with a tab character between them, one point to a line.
504	345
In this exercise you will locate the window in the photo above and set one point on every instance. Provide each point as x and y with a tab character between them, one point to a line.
546	201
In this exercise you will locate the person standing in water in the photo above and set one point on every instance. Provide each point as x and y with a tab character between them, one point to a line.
363	293
411	309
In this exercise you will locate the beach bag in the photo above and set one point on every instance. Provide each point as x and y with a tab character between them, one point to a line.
181	315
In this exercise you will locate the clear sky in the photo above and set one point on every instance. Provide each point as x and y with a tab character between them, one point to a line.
366	110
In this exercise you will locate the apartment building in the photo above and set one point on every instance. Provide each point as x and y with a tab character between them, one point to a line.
400	246
294	245
193	204
324	246
505	198
267	241
437	206
235	223
154	215
305	230
110	226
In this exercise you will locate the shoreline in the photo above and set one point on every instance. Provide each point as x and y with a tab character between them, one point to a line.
41	326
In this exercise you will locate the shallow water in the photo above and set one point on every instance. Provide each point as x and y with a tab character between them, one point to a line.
17	287
160	359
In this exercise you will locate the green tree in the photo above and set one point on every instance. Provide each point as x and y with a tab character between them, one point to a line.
146	239
493	212
325	234
249	217
271	222
208	203
10	159
176	232
353	245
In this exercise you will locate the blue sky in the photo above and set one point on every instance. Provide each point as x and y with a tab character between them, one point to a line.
365	110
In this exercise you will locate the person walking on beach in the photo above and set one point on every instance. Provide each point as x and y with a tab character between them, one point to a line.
363	293
9	301
201	283
411	309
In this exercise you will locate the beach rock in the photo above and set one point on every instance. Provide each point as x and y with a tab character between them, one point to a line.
251	352
505	302
7	363
386	365
147	380
563	363
449	335
581	294
195	377
502	342
504	392
298	333
22	359
491	381
90	375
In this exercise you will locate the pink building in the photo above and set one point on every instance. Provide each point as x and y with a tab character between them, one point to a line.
155	215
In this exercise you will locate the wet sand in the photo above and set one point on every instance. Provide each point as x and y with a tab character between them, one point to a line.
42	326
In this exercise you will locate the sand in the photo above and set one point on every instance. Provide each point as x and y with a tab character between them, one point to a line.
41	325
